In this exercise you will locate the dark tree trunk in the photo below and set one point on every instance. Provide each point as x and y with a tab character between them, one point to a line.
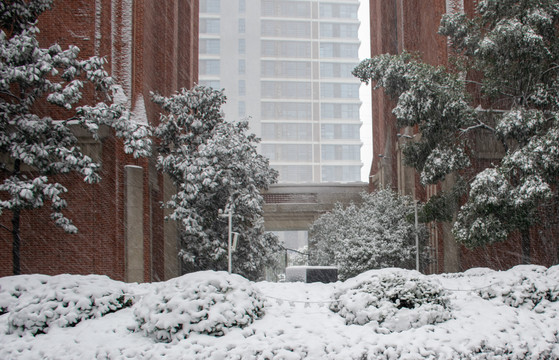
16	242
16	239
525	246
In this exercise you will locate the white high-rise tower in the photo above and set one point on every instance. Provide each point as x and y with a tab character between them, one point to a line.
287	65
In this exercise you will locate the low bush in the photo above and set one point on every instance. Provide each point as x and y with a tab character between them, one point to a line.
527	286
61	301
205	302
391	300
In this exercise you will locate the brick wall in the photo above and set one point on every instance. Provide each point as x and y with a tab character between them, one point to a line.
412	25
149	45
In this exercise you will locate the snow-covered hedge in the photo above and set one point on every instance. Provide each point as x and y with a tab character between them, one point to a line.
36	303
392	300
527	286
206	302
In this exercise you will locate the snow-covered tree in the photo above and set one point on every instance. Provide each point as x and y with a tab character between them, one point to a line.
36	83
216	168
513	47
378	233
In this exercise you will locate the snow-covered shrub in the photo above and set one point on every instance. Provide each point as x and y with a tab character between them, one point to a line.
36	304
13	287
392	300
527	286
375	234
206	302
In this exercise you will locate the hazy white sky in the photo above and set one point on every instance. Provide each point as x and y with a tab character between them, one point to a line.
365	93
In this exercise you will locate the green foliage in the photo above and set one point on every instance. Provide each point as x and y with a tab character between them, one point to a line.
376	234
32	77
392	300
59	301
207	302
215	167
444	205
514	47
432	99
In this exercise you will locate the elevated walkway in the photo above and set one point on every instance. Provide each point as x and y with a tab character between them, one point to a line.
296	206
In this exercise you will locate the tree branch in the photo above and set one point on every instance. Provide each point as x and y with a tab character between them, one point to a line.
480	125
295	251
5	227
10	94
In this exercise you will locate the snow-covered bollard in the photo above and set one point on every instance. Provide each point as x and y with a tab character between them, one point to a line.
309	274
205	302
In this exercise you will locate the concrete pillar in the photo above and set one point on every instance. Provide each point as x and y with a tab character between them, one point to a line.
134	222
451	248
172	246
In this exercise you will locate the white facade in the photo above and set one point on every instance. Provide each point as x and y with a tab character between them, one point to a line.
287	65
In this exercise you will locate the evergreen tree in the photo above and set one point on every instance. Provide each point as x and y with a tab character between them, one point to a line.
33	78
513	46
216	168
378	233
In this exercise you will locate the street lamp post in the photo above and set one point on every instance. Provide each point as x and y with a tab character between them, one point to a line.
416	237
410	137
229	216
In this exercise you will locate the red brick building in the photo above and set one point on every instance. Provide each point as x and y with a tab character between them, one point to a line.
149	45
412	25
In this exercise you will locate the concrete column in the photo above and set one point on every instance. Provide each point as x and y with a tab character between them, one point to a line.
134	222
170	228
451	248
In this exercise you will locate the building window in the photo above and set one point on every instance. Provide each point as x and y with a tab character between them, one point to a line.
286	8
339	111
335	30
286	69
242	109
344	11
288	152
298	49
210	6
287	131
338	50
242	6
209	46
242	66
337	90
242	88
294	173
209	67
278	28
209	26
285	89
336	70
286	111
340	152
344	173
214	84
242	46
339	131
242	26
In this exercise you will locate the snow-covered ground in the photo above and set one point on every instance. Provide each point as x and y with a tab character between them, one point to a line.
479	314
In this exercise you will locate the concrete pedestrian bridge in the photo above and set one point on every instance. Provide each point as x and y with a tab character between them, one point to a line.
291	207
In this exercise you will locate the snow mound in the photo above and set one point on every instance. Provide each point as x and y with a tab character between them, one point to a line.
528	286
36	303
205	302
392	300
